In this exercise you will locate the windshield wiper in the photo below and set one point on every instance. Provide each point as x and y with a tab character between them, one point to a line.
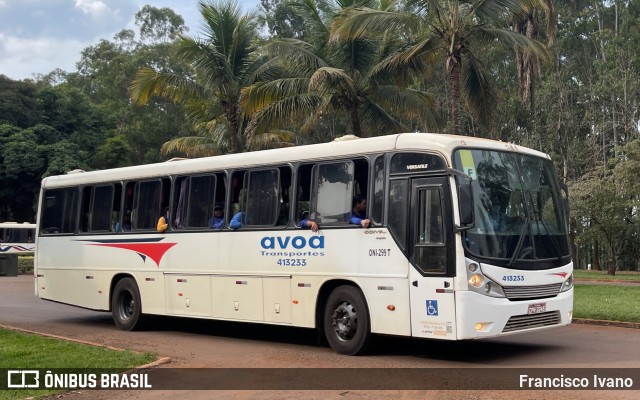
523	232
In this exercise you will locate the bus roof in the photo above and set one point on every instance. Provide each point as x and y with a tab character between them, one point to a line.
341	147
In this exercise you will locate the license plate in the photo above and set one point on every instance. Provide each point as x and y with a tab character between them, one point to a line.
537	308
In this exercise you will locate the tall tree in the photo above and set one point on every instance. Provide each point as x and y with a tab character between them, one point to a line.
309	80
216	66
527	23
455	32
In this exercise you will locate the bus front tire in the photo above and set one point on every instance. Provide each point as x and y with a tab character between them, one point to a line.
126	306
346	321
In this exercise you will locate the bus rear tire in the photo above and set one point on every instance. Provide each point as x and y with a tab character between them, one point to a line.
126	306
346	321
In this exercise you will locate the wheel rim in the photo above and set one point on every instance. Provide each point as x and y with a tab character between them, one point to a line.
345	321
127	305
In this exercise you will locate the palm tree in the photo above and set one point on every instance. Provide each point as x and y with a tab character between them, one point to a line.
217	67
305	81
528	63
452	31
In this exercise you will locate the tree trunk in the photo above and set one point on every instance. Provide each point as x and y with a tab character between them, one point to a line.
572	243
355	121
231	112
596	255
453	69
611	267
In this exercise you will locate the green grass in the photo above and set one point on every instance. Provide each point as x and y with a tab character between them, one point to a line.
25	351
607	302
631	276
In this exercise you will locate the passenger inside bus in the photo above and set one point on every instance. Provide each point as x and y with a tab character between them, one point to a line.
163	221
306	223
359	211
217	221
236	221
126	223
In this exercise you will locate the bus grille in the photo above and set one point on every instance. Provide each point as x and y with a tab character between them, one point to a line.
521	322
531	292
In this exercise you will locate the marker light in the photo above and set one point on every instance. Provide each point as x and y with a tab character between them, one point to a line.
479	326
391	307
473	267
476	280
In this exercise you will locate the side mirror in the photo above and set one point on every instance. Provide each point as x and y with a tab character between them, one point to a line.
465	205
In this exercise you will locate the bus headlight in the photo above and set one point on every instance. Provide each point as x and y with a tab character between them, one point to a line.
568	284
481	284
476	280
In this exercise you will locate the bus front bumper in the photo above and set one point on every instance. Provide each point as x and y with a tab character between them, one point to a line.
480	316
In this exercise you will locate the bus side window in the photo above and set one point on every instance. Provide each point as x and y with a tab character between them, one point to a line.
238	197
332	192
377	203
285	188
146	205
263	201
361	177
303	191
398	205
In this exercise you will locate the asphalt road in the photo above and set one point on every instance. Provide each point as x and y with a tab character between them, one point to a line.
214	344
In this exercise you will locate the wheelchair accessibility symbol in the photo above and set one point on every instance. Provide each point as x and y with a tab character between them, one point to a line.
432	308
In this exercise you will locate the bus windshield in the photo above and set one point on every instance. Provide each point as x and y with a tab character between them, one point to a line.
519	213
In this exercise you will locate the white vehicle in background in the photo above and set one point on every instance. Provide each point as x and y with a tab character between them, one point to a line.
468	239
17	238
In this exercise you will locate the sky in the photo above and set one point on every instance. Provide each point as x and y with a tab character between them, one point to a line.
38	36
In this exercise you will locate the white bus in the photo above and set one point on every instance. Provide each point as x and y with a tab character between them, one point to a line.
17	238
468	239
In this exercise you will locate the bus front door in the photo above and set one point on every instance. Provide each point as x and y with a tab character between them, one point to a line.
432	258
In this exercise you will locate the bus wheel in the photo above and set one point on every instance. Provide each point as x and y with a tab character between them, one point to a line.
126	306
346	321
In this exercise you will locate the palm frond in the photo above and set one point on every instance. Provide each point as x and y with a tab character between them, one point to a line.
297	56
272	139
357	23
327	81
259	95
497	11
282	113
191	146
412	105
511	38
405	66
377	121
148	82
206	62
310	12
479	92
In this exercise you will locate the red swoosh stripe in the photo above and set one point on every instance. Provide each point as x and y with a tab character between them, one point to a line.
155	251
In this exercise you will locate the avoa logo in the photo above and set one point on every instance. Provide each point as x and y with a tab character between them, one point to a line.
296	242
